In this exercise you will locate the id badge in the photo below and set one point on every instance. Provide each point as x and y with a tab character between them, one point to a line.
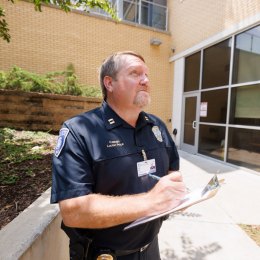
146	167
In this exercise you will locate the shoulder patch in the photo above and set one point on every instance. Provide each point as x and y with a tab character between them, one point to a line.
157	133
61	141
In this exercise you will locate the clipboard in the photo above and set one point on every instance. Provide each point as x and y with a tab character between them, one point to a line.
192	198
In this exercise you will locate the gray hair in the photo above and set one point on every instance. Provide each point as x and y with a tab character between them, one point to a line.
111	66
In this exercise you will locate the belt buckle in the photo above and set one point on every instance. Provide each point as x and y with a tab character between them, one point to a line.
143	248
105	257
105	254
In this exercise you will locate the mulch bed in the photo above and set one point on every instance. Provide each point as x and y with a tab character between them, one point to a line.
18	196
33	178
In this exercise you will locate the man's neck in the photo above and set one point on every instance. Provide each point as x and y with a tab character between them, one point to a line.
129	115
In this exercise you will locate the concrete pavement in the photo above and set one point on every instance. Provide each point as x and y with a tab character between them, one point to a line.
209	230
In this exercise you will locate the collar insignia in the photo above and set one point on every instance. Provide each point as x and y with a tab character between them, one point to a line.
111	121
146	118
157	133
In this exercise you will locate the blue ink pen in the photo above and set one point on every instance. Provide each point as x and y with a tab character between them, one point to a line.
158	178
155	177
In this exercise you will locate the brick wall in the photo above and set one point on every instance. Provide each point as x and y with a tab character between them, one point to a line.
192	21
49	41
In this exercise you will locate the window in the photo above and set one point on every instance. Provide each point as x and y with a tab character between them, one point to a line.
216	65
216	105
212	141
247	56
245	105
147	12
192	72
244	148
236	140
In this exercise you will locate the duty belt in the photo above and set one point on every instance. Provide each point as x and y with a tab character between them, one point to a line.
81	247
107	254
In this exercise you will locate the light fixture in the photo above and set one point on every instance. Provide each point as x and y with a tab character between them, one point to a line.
156	42
173	49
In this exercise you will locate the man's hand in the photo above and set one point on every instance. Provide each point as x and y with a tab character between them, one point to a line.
167	193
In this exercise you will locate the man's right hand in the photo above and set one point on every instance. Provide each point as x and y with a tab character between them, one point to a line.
167	193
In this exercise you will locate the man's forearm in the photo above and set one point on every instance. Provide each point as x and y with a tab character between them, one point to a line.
98	211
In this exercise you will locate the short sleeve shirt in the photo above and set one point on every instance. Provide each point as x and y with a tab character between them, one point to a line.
98	152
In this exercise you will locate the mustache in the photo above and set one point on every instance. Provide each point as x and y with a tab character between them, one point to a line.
142	88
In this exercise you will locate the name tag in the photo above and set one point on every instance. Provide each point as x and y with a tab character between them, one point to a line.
146	167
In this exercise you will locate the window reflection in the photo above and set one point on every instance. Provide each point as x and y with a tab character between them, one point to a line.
244	148
153	15
245	105
217	105
247	56
130	11
216	65
192	72
212	141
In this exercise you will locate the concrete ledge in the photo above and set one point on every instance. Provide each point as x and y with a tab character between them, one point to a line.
20	235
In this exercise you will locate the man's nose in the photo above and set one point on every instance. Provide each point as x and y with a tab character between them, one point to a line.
144	80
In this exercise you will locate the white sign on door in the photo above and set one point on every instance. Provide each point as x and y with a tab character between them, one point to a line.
203	109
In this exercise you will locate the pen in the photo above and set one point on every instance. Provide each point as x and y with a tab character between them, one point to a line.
158	178
155	177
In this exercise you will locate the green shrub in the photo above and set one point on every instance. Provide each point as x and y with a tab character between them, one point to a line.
19	79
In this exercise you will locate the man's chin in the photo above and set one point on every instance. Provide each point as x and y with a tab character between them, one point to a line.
143	100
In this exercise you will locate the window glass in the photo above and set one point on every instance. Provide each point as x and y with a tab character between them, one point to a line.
245	105
130	11
212	141
192	72
244	148
154	16
190	116
216	106
159	2
247	56
216	65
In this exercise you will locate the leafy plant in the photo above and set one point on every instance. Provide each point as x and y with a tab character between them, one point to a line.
3	26
71	70
19	79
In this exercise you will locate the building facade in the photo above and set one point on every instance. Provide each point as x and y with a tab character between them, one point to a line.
205	75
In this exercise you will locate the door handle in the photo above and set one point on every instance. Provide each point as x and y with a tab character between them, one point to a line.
194	124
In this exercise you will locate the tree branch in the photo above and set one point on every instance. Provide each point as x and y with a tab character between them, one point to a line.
65	5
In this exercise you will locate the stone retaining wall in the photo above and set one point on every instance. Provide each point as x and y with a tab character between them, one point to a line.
41	112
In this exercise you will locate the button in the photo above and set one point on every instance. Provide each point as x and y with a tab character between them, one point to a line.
139	144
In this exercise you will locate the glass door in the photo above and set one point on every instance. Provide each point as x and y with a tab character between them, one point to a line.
190	118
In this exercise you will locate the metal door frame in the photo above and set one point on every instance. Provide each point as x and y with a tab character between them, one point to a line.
186	147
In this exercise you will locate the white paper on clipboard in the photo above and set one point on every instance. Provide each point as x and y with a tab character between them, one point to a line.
191	198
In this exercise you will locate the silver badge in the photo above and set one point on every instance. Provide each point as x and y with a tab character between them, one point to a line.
157	133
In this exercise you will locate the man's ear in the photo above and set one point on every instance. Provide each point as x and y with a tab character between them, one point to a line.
108	82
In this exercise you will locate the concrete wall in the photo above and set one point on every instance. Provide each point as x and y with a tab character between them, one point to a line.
37	111
52	244
49	40
35	234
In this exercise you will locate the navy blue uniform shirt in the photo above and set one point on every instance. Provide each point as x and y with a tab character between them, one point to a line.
98	152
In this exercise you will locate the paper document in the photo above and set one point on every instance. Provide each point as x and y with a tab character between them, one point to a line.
191	198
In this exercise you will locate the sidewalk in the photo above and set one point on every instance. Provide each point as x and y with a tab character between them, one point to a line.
209	230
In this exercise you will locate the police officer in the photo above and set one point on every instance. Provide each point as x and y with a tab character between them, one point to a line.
100	176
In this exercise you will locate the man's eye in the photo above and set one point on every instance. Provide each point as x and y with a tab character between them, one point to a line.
134	72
